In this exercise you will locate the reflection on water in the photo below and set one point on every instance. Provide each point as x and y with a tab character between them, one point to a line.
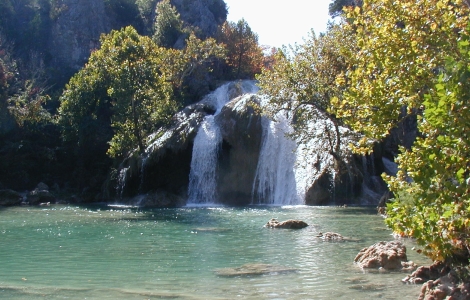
68	252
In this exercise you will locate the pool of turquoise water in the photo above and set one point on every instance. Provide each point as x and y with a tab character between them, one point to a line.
78	252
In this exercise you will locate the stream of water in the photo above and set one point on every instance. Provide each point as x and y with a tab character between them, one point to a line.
73	252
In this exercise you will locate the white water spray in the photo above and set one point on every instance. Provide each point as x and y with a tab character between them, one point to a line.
287	168
204	163
203	175
275	179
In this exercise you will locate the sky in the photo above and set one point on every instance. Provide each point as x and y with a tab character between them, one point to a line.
280	23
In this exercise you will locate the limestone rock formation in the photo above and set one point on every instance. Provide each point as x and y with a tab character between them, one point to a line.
440	281
386	255
78	24
240	126
288	224
76	32
164	168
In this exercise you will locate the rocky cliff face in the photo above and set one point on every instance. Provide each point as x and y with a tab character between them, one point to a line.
76	32
78	24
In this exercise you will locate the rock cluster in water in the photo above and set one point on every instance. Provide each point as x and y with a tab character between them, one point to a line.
440	281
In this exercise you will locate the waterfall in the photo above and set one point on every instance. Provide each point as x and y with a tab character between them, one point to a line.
121	182
203	174
275	182
288	167
204	163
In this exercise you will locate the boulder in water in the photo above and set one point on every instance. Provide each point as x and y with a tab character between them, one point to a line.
40	195
386	255
288	224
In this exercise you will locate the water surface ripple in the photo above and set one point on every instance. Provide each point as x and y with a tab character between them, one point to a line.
69	252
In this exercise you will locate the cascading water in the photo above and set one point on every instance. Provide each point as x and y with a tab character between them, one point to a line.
203	175
275	179
287	168
121	182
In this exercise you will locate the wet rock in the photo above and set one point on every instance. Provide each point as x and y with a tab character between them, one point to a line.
426	273
441	282
40	195
386	255
330	236
10	198
288	224
241	130
253	269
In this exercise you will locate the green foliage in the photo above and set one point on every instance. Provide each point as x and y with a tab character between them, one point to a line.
306	78
123	76
415	54
180	64
28	107
399	54
168	26
439	165
129	84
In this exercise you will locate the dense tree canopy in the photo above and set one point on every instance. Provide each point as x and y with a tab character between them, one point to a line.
133	82
125	77
414	55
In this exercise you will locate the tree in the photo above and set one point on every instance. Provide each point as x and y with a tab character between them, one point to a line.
244	55
180	64
336	7
168	26
130	83
125	77
414	55
304	82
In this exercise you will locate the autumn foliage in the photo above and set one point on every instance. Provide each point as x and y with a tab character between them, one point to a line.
244	55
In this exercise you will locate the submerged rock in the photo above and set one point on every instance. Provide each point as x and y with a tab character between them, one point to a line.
253	269
288	224
330	236
386	255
